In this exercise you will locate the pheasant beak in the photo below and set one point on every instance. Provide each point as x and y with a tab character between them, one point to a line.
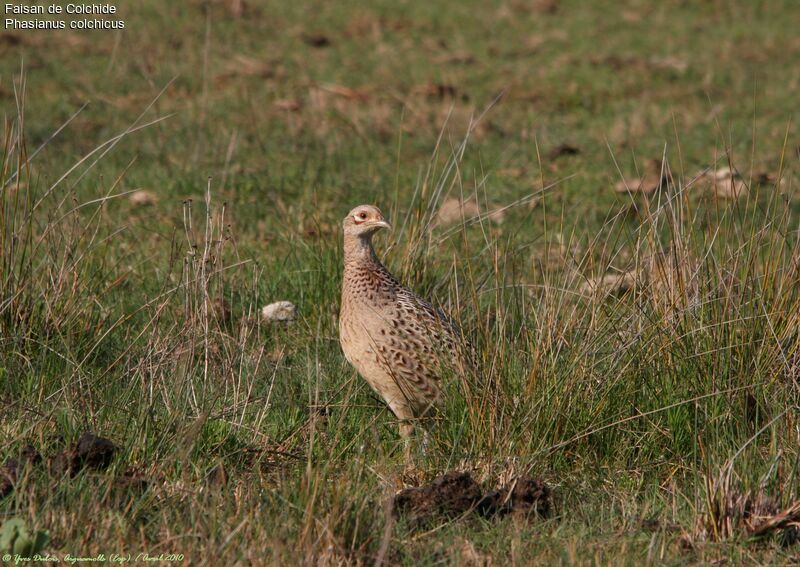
381	224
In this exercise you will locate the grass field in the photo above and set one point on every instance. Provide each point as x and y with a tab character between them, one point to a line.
638	344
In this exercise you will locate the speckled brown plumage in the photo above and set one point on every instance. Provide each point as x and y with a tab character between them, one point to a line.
398	342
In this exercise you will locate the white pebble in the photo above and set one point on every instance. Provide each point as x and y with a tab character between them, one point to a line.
279	311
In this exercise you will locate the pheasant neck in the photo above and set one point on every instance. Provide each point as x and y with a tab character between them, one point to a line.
358	250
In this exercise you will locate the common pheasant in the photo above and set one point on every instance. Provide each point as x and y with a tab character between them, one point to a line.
398	342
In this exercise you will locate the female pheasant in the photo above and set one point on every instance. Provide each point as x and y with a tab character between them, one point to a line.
398	342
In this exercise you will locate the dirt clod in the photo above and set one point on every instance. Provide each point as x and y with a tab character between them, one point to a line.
94	452
90	451
8	478
564	149
545	6
437	90
523	496
317	40
10	471
457	493
217	475
734	512
447	496
222	310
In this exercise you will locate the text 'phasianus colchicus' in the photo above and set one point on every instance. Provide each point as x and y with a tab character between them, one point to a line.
398	342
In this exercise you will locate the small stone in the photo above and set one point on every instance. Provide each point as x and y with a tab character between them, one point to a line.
455	210
646	185
730	188
288	104
610	284
279	311
722	174
143	197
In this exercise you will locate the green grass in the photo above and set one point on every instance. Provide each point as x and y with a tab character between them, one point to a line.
643	411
